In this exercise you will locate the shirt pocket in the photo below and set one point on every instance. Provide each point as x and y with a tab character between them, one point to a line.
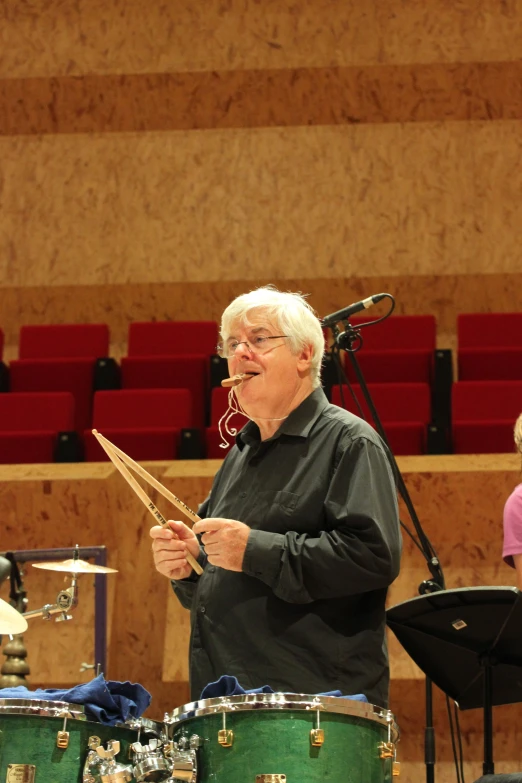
276	510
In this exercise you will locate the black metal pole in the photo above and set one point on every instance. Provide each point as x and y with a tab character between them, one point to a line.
488	766
429	735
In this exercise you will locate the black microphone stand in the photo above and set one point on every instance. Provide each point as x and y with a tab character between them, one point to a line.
345	340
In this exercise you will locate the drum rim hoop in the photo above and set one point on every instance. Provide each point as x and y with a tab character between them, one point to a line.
281	701
44	707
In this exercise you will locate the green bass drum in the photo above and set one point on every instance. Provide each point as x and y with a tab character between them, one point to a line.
282	738
52	742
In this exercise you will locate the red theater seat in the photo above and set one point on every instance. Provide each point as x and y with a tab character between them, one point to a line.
30	423
72	375
484	413
145	423
173	338
399	349
404	410
489	346
170	372
64	340
218	406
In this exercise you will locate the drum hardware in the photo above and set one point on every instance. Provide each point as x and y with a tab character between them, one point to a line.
225	736
148	761
274	732
20	773
101	765
317	734
270	778
65	600
62	737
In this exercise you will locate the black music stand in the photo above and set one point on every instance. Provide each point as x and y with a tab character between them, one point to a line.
469	642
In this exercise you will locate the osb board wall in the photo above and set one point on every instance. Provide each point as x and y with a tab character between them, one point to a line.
200	206
459	501
148	148
48	38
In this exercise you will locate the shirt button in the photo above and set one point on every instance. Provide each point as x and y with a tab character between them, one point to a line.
202	609
212	569
243	495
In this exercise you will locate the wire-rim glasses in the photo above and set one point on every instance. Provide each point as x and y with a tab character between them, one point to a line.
258	344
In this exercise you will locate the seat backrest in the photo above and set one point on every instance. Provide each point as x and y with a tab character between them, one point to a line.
142	409
489	330
493	400
36	411
53	341
399	331
394	401
172	338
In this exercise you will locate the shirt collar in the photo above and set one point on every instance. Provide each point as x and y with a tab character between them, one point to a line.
297	424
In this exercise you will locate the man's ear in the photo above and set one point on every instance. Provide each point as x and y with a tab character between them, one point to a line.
304	360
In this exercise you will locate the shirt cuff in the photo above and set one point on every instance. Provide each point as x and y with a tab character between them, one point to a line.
262	557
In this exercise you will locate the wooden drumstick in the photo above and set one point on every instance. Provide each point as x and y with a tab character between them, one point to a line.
148	477
112	452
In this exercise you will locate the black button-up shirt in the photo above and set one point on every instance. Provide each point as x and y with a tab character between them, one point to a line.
307	613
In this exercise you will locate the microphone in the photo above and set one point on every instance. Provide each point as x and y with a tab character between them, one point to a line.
346	312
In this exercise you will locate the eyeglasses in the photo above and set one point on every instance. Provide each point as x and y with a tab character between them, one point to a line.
255	345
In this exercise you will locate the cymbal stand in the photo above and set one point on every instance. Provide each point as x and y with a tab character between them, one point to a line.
65	600
99	554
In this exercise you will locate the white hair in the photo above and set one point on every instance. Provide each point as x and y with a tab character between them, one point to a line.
289	312
518	433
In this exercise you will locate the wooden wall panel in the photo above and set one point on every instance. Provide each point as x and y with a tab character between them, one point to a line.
279	204
49	38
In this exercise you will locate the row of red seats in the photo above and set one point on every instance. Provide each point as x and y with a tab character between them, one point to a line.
151	424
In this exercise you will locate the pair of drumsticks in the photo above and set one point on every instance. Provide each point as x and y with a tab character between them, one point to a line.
120	460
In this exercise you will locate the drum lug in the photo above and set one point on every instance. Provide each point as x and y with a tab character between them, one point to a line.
270	778
317	737
386	750
62	737
396	771
317	734
226	738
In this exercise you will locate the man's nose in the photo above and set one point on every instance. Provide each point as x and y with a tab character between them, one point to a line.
243	348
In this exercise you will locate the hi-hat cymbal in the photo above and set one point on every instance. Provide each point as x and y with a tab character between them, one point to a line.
11	621
75	567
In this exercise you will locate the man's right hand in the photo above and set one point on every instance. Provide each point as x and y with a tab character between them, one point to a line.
169	548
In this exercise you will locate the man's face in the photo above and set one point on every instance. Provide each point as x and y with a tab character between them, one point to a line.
279	375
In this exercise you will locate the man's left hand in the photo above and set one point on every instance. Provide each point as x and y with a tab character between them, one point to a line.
224	540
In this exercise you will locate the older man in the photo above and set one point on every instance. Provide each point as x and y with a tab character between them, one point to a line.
300	531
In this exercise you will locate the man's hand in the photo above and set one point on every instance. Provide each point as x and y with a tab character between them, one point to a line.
224	540
170	547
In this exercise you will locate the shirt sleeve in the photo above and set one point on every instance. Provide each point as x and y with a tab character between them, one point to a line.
512	527
360	548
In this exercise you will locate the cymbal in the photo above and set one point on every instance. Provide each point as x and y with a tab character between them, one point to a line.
75	567
11	621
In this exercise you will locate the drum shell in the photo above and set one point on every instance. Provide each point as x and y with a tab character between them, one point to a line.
31	739
277	742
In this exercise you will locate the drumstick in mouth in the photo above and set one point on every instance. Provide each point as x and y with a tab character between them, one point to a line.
235	380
